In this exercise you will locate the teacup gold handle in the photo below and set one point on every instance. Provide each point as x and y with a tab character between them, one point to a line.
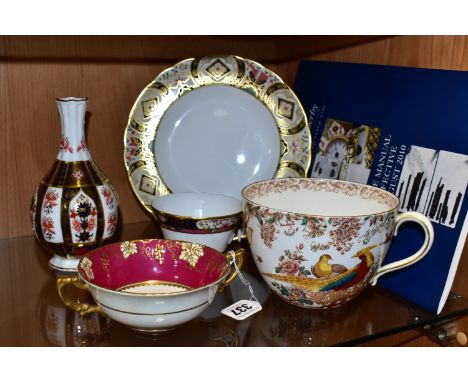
80	307
238	257
240	233
426	224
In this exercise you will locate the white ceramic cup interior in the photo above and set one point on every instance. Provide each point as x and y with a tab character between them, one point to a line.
197	205
323	203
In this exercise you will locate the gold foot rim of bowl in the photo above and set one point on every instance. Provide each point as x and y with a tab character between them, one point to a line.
155	331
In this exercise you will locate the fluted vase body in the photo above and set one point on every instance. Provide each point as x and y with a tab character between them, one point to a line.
75	208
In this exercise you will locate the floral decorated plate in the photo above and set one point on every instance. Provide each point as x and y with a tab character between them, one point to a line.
214	124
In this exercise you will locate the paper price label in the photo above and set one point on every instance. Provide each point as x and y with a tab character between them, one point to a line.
242	309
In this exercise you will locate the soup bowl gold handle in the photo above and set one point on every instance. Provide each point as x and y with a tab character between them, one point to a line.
238	257
81	307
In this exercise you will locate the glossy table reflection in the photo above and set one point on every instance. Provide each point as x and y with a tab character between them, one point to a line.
31	313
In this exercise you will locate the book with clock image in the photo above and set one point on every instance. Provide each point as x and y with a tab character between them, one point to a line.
404	130
345	151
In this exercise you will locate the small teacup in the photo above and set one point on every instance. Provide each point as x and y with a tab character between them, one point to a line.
319	242
208	219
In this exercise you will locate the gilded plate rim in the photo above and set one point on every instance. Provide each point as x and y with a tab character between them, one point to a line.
190	74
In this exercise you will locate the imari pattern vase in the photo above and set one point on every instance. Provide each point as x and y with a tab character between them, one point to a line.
75	207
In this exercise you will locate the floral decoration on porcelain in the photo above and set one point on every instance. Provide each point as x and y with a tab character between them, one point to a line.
87	267
217	224
111	222
48	229
343	231
329	273
82	145
50	200
291	262
65	145
77	174
83	218
107	194
158	253
191	252
128	248
154	252
295	184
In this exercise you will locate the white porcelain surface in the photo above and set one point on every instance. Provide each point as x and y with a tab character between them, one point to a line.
216	139
72	115
324	203
153	312
110	207
63	265
218	240
197	205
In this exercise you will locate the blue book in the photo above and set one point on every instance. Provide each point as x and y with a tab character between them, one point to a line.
404	130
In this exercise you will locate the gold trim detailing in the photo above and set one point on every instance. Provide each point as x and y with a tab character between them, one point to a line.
87	267
72	162
219	280
154	314
159	86
71	99
136	126
156	252
284	166
240	66
154	282
68	194
81	308
276	87
155	331
76	245
184	218
193	67
295	129
61	269
75	174
136	165
191	74
238	257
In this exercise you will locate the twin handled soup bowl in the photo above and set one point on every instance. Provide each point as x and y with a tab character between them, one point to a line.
319	242
203	218
151	285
